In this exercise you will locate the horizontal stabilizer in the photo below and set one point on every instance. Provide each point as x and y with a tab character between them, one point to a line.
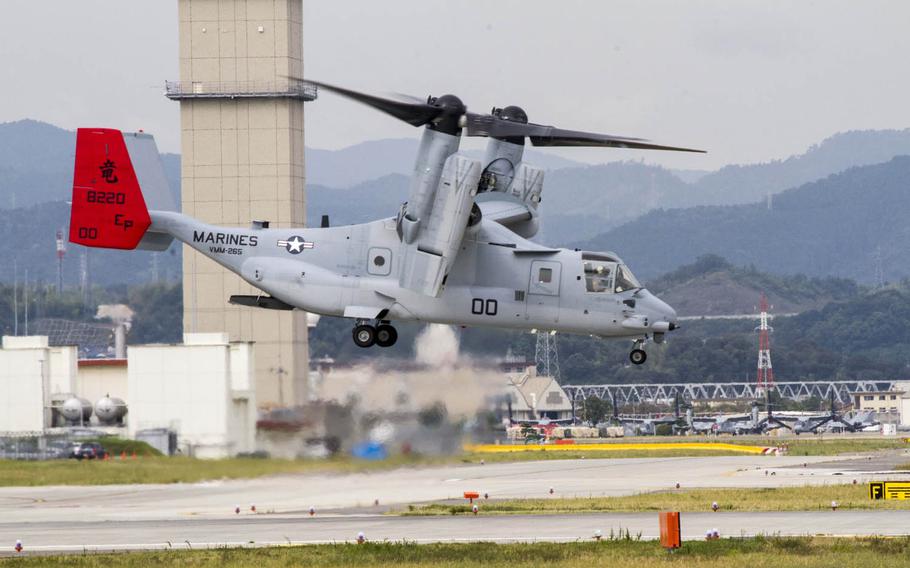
534	250
155	241
266	302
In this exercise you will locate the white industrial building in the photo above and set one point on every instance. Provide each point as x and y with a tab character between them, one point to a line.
32	376
97	378
200	389
890	407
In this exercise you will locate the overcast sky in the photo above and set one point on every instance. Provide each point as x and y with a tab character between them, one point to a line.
748	81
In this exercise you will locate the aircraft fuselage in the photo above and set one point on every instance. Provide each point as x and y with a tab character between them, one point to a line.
498	279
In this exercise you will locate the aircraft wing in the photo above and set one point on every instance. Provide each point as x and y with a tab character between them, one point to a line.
512	200
504	211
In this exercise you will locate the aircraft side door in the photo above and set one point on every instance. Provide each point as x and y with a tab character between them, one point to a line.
543	291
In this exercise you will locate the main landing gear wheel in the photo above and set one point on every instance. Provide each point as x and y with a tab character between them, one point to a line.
364	335
638	356
386	335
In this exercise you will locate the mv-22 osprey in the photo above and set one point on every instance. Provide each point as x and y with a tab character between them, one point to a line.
457	252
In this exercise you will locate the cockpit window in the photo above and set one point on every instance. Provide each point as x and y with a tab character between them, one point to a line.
625	280
599	276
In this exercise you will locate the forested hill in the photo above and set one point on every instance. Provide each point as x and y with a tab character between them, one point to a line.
863	338
712	286
28	237
847	225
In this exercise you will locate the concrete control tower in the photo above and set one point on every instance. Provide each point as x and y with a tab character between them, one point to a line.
241	116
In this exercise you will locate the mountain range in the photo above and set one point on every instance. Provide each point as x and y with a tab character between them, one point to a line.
373	159
580	202
855	224
712	286
36	164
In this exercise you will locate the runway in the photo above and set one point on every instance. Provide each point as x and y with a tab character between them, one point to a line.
73	519
266	530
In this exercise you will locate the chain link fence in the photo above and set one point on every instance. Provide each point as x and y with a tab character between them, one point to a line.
38	446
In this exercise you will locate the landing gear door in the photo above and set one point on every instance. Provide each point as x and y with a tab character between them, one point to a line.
543	291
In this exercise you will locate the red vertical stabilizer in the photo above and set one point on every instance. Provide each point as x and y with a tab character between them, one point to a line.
108	209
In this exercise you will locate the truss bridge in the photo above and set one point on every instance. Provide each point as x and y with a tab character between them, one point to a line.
636	393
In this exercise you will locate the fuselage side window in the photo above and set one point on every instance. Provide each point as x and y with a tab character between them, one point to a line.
599	276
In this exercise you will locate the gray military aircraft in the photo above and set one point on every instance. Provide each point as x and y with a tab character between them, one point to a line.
457	252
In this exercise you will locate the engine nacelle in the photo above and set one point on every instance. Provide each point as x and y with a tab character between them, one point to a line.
503	154
500	161
504	174
435	149
429	255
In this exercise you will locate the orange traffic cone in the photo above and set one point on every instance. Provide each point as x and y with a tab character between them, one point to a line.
134	454
123	455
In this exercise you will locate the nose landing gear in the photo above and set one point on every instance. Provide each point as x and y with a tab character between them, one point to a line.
366	335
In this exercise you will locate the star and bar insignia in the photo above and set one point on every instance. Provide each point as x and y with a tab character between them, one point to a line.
295	244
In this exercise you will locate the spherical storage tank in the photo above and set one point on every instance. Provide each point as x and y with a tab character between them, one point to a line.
76	410
110	410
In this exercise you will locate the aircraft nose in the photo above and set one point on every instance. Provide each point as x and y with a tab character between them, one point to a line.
659	311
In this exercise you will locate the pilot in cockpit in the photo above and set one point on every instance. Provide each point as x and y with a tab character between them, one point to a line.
598	277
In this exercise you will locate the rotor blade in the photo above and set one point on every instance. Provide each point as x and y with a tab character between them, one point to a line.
605	141
541	135
480	124
412	111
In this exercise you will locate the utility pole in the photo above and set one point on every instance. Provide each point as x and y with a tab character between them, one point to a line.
26	301
61	252
83	279
15	297
879	272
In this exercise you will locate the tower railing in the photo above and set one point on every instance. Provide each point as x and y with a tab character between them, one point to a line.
287	88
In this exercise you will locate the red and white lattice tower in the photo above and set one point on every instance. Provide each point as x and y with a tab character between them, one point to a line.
765	372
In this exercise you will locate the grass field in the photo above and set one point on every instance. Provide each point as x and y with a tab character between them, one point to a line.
755	553
181	470
153	469
809	498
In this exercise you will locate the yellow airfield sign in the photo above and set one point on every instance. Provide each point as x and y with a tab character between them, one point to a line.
889	490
